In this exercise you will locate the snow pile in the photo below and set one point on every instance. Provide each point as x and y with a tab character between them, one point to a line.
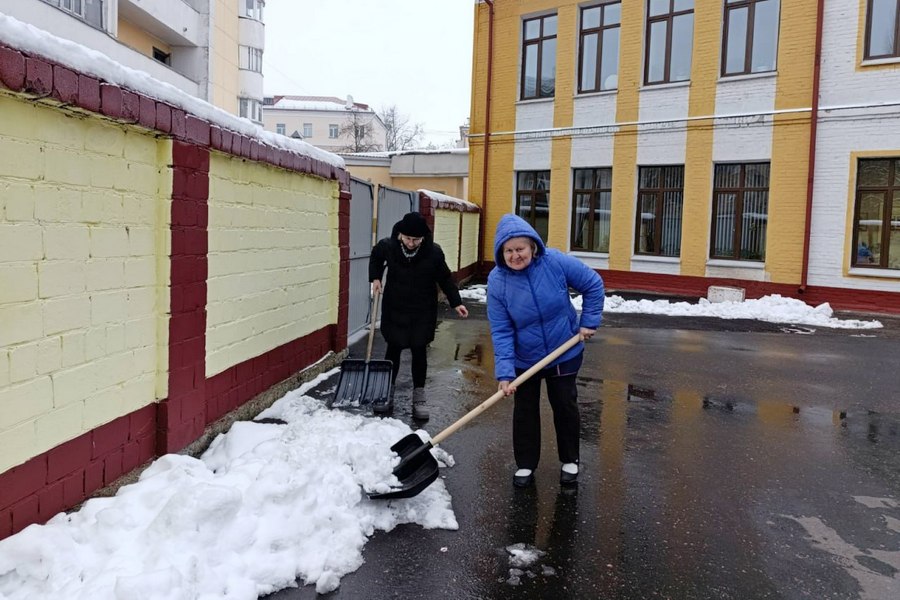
265	505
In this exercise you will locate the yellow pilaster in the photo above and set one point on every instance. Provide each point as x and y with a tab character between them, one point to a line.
790	143
698	153
625	142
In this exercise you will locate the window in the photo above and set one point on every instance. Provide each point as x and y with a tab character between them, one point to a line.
883	29
250	109
740	211
598	57
280	128
251	58
750	41
539	57
876	217
73	6
307	130
660	199
254	9
670	39
163	57
333	131
591	204
532	199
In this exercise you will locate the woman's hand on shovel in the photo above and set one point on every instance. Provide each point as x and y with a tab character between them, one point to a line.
507	388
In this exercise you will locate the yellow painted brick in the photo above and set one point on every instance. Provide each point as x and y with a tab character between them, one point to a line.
23	402
138	207
102	206
141	241
65	314
57	204
4	368
143	301
73	349
60	425
139	333
20	160
60	278
20	119
108	241
20	282
103	137
95	343
140	271
62	130
23	360
17	199
138	393
74	384
20	323
19	443
67	166
109	307
140	147
104	170
139	178
49	357
20	242
104	274
115	338
66	242
102	407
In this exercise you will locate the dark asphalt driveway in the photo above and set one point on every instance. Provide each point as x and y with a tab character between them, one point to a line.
720	459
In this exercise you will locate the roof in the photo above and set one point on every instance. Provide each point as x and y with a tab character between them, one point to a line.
315	103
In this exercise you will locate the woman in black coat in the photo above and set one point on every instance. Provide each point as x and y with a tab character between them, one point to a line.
416	266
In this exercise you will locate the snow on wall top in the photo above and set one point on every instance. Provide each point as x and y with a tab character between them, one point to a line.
30	39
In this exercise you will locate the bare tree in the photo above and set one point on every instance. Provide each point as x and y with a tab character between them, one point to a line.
358	129
401	134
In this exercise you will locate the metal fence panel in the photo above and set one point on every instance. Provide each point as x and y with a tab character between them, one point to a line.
361	212
392	205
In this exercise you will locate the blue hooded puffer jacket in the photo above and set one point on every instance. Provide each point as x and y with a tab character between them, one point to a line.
529	310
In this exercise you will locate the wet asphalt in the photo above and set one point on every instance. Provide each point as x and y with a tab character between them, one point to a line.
720	459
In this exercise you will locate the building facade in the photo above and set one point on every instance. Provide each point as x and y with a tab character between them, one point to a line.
210	49
326	122
678	144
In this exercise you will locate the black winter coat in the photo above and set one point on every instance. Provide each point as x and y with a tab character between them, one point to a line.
409	304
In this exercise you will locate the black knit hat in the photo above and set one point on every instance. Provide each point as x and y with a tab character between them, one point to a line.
413	224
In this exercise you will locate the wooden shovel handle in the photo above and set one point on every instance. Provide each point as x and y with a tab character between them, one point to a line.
376	301
497	396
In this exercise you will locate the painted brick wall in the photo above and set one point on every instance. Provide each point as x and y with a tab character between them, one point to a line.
273	256
80	234
446	235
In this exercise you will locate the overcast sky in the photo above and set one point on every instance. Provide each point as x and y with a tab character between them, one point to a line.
415	54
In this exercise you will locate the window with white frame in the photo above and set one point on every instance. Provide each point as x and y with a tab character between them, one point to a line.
280	128
333	131
253	9
250	108
307	130
251	59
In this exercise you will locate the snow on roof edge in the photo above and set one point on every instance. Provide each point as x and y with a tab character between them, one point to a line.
30	39
449	199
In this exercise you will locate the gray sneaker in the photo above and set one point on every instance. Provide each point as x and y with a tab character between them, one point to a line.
420	412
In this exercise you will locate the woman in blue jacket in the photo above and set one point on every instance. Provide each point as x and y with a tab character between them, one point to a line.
531	314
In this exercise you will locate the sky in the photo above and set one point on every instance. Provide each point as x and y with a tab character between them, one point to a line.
272	502
414	54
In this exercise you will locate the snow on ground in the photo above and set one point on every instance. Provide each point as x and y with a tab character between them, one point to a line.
774	309
266	504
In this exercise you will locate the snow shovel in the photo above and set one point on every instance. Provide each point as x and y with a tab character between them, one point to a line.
364	381
418	468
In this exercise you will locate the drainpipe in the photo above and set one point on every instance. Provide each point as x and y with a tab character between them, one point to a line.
813	130
487	130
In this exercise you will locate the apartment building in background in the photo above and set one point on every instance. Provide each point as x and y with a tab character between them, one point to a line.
678	144
326	122
211	49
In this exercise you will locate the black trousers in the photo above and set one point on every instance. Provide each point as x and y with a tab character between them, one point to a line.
419	363
563	396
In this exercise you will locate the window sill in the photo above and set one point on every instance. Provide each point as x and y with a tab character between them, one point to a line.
875	62
874	272
536	101
735	264
601	93
588	254
748	76
664	86
656	259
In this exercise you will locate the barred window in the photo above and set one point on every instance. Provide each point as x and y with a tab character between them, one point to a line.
591	209
740	211
659	207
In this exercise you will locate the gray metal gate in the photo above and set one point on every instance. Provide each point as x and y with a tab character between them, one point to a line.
361	212
392	205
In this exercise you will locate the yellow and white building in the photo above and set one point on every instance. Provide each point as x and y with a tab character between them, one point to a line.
210	49
678	144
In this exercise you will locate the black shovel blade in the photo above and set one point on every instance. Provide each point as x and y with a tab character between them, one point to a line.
416	471
362	382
